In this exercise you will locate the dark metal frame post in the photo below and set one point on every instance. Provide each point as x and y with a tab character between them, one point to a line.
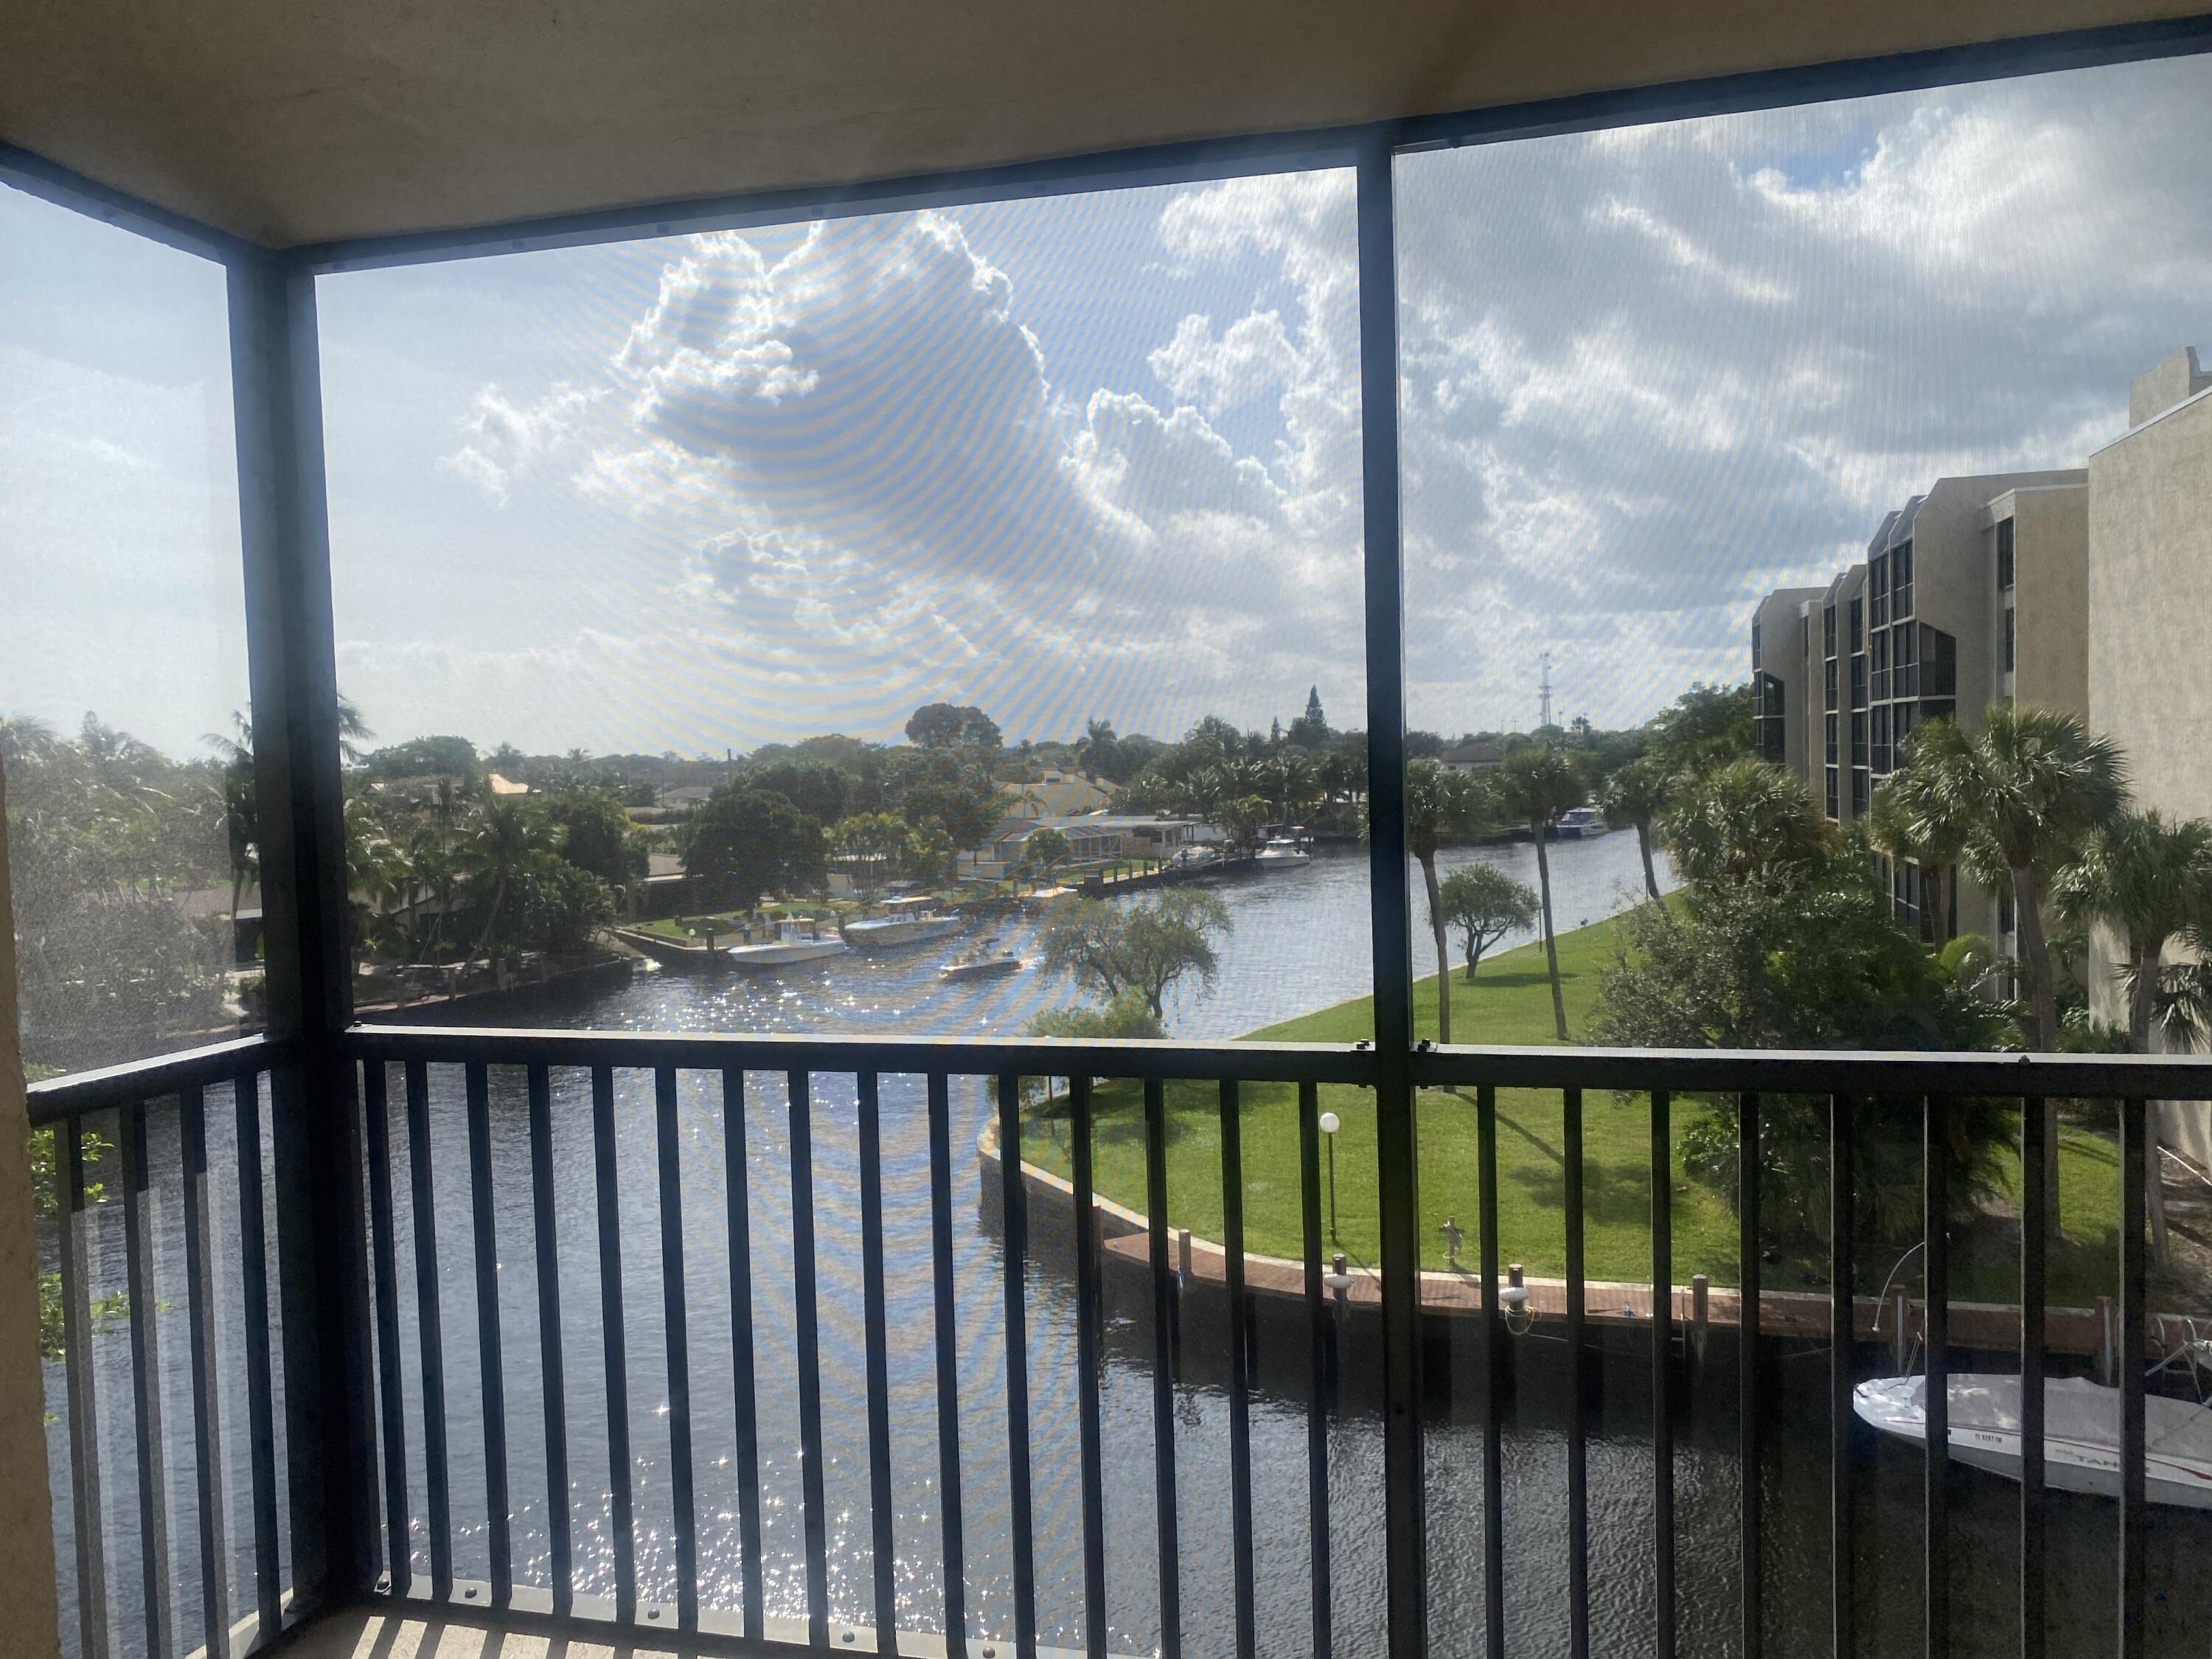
323	1270
1398	1182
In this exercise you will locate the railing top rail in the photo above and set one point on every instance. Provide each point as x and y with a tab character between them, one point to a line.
1822	1071
1260	1062
55	1100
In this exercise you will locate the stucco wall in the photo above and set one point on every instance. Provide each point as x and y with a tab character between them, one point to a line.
2050	558
30	1613
1783	657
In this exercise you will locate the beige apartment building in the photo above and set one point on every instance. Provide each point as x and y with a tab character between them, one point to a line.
1957	587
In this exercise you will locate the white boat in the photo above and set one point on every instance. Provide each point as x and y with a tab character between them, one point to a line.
987	961
794	941
1579	824
1282	854
2080	1432
1193	858
907	921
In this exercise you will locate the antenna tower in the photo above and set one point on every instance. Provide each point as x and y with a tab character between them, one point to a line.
1544	692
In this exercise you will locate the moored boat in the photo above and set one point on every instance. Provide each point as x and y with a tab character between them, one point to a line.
906	922
1282	854
2080	1432
794	941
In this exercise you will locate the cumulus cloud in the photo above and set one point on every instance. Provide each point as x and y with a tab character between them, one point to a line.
503	440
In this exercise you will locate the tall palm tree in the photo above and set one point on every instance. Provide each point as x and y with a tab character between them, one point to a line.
1638	793
1533	786
1902	824
1438	805
1741	821
2019	798
505	838
2150	881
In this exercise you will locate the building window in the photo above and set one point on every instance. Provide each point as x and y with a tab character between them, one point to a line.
1878	591
1805	637
1829	677
1859	681
1858	791
1901	582
1828	630
2005	920
1900	725
1904	893
1880	738
1831	740
1858	612
1939	662
2010	617
2004	556
1881	665
1832	812
1858	739
1770	734
1756	656
1907	676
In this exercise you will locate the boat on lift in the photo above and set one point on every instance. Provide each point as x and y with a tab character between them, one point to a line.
904	921
795	941
2080	1432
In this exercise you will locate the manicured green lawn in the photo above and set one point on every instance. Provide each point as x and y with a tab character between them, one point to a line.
1510	1003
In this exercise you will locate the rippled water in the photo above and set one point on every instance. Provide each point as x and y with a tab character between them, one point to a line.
1299	942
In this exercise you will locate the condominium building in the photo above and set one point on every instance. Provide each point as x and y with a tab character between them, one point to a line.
1956	585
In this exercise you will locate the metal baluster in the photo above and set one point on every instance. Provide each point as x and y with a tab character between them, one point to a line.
2034	1235
1662	1393
377	1116
613	1335
1936	1329
492	1366
948	1365
551	1361
882	1515
260	1394
139	1272
1318	1343
736	1186
1015	1218
683	1517
1747	1177
424	1219
1088	1320
2136	1143
1493	1362
87	1504
1571	1108
207	1374
1164	1401
1843	1334
1240	1366
806	1319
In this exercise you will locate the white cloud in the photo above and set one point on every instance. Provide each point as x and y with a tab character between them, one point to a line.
504	440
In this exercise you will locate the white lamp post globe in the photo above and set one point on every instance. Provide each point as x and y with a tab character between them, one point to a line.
1330	1123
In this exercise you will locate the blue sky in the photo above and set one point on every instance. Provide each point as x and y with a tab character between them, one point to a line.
1100	455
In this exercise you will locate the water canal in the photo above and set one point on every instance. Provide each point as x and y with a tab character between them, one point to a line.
1300	942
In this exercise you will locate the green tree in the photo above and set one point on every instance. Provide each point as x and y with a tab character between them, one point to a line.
745	840
2019	798
1125	1018
1440	806
1045	851
2150	883
1707	725
1742	820
1534	785
1484	905
1110	948
1638	793
560	906
507	837
1101	752
594	834
952	725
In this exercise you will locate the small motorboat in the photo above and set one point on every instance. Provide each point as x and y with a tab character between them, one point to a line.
795	941
987	961
905	921
1282	854
1578	823
2080	1432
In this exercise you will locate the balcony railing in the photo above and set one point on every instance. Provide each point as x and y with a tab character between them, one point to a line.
539	1154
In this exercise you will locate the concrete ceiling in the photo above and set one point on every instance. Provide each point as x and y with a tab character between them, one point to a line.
292	121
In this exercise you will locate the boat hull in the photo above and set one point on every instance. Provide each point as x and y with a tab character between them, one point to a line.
2080	1440
780	955
892	934
993	969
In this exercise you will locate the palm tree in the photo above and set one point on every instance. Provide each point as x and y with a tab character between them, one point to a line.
1534	785
1902	825
505	838
2018	799
1438	805
2150	881
1638	793
1741	821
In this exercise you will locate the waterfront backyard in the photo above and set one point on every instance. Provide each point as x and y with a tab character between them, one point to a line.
1509	1004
